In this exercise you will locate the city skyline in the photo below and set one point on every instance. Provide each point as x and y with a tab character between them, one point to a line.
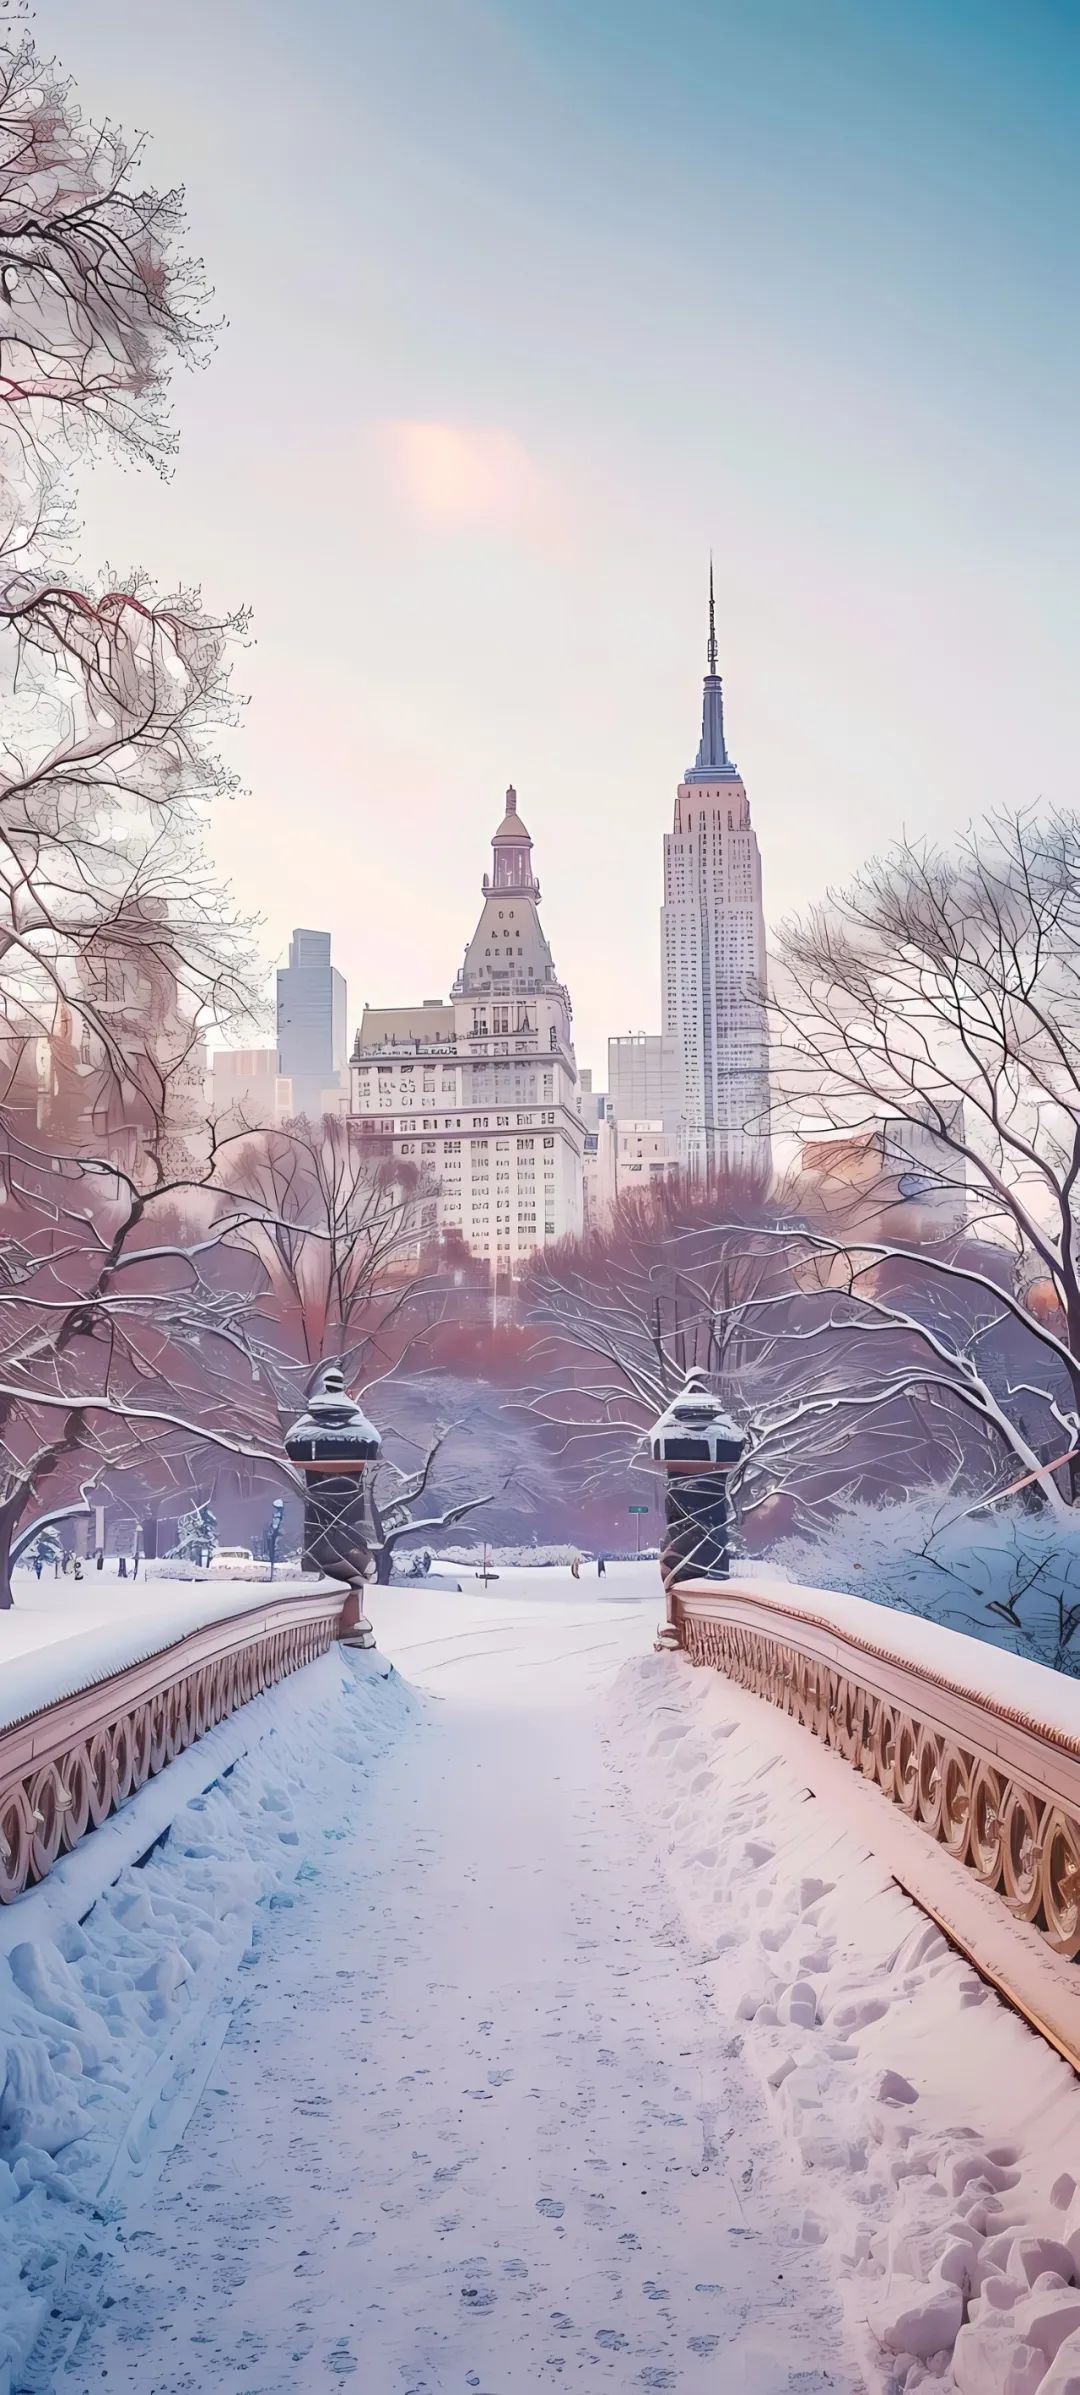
837	343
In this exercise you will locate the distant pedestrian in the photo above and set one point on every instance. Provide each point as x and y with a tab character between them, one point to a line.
78	1567
99	1560
601	1567
38	1561
122	1574
575	1568
135	1565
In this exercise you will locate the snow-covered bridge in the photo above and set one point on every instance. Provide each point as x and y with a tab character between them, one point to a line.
516	2020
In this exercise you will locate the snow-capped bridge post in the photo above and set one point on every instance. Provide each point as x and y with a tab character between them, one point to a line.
331	1444
698	1445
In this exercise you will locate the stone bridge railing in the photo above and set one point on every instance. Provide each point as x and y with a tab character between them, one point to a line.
979	1750
65	1768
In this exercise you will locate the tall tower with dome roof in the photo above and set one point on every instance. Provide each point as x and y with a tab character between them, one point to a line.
482	1093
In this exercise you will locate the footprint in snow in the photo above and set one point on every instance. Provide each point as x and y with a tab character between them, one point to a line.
550	2208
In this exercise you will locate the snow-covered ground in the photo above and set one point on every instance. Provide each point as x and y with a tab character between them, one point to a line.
939	2138
120	1975
475	2124
575	2043
62	1635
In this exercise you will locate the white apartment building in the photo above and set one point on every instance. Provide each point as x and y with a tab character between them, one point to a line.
621	1157
645	1154
713	961
481	1093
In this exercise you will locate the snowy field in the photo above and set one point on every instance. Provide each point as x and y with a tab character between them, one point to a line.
513	2022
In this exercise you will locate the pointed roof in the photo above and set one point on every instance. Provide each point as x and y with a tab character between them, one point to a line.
713	763
511	827
508	954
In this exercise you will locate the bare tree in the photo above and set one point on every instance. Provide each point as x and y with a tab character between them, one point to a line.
117	950
682	1281
97	297
848	1375
115	945
942	990
339	1237
119	1344
145	1328
626	1313
397	1502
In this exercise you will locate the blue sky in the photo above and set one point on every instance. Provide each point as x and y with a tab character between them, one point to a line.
529	304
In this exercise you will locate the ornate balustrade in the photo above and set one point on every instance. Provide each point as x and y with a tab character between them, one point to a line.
65	1769
995	1786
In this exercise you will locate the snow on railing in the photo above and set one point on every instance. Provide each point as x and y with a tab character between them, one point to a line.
979	1749
66	1766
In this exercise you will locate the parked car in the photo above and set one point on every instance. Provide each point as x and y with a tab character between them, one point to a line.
231	1563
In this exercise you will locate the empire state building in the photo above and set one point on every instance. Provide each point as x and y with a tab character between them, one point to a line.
713	961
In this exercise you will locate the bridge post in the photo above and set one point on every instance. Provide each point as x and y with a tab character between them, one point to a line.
698	1446
332	1443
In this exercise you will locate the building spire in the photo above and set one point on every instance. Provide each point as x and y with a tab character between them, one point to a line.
713	762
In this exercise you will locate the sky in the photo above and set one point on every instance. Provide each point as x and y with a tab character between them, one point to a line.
526	306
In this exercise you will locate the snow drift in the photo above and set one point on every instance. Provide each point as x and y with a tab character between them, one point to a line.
937	2140
109	2023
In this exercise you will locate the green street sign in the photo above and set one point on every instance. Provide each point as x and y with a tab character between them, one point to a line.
637	1509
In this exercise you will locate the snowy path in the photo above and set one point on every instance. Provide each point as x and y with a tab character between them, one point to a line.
476	2126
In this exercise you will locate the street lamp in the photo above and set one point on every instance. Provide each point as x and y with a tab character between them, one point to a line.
698	1445
332	1444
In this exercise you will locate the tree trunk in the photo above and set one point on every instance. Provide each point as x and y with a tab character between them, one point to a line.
9	1522
150	1537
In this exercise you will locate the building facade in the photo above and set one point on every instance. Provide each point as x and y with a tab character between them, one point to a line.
140	1100
312	1033
481	1093
247	1093
713	961
644	1079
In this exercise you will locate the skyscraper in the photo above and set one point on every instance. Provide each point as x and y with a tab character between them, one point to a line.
312	1034
481	1094
713	962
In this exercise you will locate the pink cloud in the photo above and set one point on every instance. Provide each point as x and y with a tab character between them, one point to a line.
465	477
